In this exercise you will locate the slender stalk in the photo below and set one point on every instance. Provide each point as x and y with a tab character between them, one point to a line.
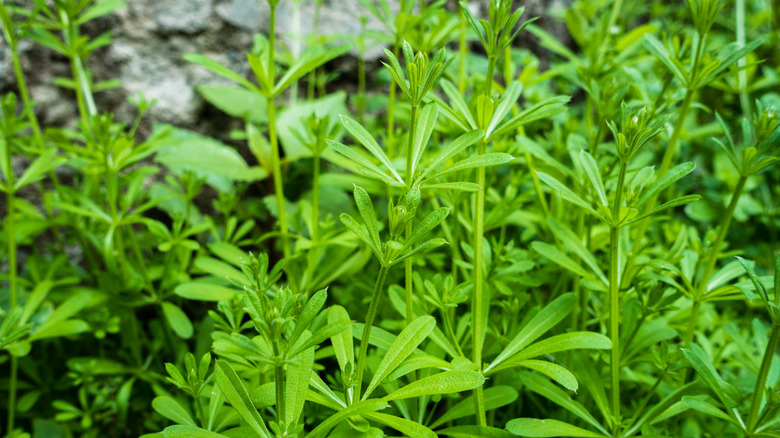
614	302
477	303
667	159
463	50
10	229
763	373
315	221
723	230
391	109
21	84
408	270
692	322
275	160
372	311
280	384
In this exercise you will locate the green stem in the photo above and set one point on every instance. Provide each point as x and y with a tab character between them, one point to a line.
408	269
477	304
667	159
280	384
723	230
694	319
21	83
315	222
614	301
12	394
372	311
463	50
391	110
763	374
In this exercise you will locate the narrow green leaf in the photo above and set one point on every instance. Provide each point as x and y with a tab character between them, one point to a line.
307	315
559	258
462	186
592	171
407	427
475	432
455	147
366	208
425	124
425	226
367	140
538	111
475	161
219	69
657	49
406	342
494	397
299	373
201	291
178	320
508	99
189	432
357	408
571	242
706	407
458	104
546	319
555	394
361	232
534	427
47	161
363	164
556	372
446	382
727	394
665	181
169	408
424	247
235	392
342	342
565	342
310	59
566	192
57	324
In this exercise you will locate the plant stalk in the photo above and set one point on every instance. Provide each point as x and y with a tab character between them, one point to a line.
372	311
280	384
614	300
408	269
315	221
763	374
477	303
722	232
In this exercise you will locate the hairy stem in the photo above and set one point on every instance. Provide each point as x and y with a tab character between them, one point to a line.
372	311
280	384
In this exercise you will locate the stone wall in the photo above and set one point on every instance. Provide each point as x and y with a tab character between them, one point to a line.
151	36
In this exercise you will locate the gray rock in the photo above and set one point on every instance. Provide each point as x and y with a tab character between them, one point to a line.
251	15
189	16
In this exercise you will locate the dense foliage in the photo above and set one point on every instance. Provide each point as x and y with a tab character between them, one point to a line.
478	243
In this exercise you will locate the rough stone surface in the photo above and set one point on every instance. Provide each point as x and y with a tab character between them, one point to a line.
151	37
190	16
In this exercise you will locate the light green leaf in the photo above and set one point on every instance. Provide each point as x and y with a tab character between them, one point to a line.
169	408
454	148
201	291
425	226
566	192
494	398
425	124
189	432
58	323
665	181
361	232
219	69
508	99
178	320
727	394
357	408
462	186
307	315
706	407
565	342
364	165
559	258
407	427
342	342
446	382
45	162
299	373
235	392
406	342
555	394
571	242
657	49
538	111
592	171
312	58
424	247
475	432
534	427
368	141
556	372
366	208
220	269
546	319
475	161
236	101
